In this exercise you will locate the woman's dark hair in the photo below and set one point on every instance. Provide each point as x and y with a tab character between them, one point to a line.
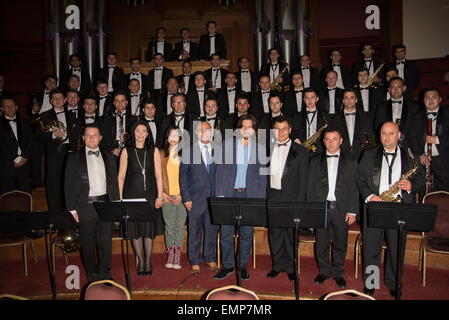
166	146
131	140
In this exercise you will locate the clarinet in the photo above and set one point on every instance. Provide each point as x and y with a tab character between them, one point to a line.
429	175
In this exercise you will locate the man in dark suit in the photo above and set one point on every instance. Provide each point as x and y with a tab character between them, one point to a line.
407	69
227	96
332	179
354	126
43	98
104	100
307	122
418	139
242	106
331	95
163	101
73	105
157	77
215	75
89	117
378	169
186	49
57	147
77	68
195	98
135	98
398	109
289	165
160	46
344	79
368	97
310	75
149	116
186	80
212	116
293	99
197	182
368	61
275	69
259	99
115	127
241	179
112	74
137	74
246	79
90	176
15	150
212	42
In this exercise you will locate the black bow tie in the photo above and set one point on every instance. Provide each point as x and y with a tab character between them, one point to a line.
77	69
297	91
185	41
111	67
158	69
210	119
212	36
389	153
216	69
285	144
150	121
160	41
350	114
179	115
332	89
12	120
400	62
305	68
331	155
245	71
265	92
90	152
432	113
73	110
59	112
135	73
89	117
199	90
335	65
134	95
368	61
396	101
47	92
308	112
230	90
101	98
367	88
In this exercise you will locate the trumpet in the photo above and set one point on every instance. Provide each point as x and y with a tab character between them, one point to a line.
275	86
309	144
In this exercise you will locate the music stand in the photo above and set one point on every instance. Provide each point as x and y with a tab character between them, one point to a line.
238	212
401	216
296	214
124	212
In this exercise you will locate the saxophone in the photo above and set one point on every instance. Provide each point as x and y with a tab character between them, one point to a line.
373	76
275	86
388	195
309	144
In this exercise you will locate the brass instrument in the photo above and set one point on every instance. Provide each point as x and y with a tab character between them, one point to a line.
69	240
389	195
275	86
309	144
374	75
429	174
51	126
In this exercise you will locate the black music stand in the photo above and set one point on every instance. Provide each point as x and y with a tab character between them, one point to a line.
238	212
401	216
296	214
124	212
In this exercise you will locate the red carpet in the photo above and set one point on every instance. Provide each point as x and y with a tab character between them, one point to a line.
13	280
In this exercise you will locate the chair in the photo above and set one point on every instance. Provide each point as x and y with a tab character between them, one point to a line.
106	290
347	295
436	241
23	202
231	292
8	296
358	253
253	250
307	237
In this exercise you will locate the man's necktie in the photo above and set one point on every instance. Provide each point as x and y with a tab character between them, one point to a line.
230	90
400	62
210	119
367	88
101	98
350	114
89	117
134	95
396	101
158	69
135	73
331	155
332	89
77	70
96	153
284	144
211	36
305	68
59	112
244	71
308	112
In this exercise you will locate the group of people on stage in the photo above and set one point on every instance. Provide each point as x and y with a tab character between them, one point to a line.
337	135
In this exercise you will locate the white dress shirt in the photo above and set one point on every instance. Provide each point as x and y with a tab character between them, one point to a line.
111	72
274	71
216	78
231	99
158	78
135	99
61	118
212	44
369	64
152	126
117	132
179	120
332	171
77	72
311	123
434	132
306	76
46	105
245	77
265	96
277	164
97	174
365	98
201	94
211	122
299	100
205	156
397	109
160	47
101	103
186	79
400	68
396	172
331	101
169	108
350	124
337	69
185	46
89	121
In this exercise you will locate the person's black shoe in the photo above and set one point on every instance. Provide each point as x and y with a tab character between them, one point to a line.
223	273
341	283
244	275
272	274
291	276
148	270
367	291
321	278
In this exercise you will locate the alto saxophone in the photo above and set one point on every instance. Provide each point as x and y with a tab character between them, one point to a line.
309	144
275	86
374	75
389	195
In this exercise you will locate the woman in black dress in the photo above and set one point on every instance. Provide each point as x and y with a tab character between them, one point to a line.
140	177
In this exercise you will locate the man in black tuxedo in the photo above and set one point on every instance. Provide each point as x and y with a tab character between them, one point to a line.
72	105
378	169
344	79
104	100
149	116
310	75
332	178
212	117
331	95
77	68
355	127
293	98
274	68
43	98
89	117
259	99
115	127
398	109
289	165
418	139
196	97
307	122
246	79
157	77
178	118
227	96
15	150
215	76
407	69
186	49
137	74
163	102
90	176
111	74
135	98
160	46
186	80
368	97
242	107
368	61
57	147
212	42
